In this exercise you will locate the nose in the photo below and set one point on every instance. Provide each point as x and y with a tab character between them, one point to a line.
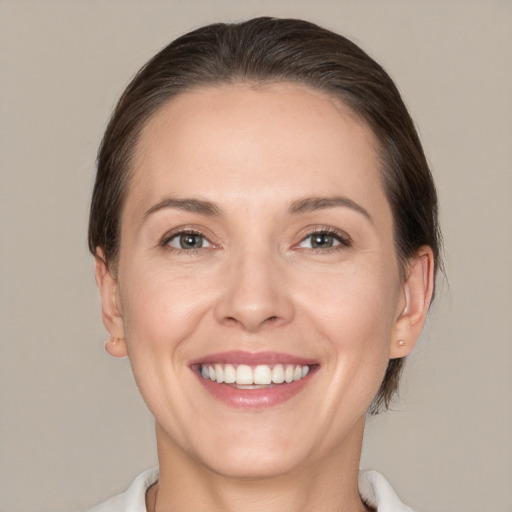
255	294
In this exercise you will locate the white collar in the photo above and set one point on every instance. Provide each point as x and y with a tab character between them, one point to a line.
373	488
375	491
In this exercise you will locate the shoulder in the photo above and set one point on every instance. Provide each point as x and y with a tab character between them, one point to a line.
376	492
134	499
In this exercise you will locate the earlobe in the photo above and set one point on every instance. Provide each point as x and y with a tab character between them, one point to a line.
417	293
115	347
111	312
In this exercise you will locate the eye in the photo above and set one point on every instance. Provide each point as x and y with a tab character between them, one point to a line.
323	240
188	240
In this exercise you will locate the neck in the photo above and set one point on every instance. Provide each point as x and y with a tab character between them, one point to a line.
328	483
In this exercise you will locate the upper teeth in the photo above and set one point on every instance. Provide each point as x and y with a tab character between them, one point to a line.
243	374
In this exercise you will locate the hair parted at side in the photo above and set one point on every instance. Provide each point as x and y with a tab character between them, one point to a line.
264	50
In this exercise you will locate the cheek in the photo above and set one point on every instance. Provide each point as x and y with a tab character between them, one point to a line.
354	312
162	307
360	300
162	311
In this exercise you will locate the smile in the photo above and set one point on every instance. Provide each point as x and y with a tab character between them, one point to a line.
254	380
244	376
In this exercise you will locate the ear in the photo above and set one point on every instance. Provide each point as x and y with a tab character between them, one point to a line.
110	310
417	294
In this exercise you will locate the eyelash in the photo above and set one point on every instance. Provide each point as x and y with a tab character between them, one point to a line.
181	232
341	237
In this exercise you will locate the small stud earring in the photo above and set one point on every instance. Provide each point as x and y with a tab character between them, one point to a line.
401	343
112	341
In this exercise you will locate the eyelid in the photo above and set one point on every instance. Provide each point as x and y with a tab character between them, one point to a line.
341	236
205	243
184	230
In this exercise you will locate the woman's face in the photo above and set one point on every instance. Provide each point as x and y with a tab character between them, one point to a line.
257	245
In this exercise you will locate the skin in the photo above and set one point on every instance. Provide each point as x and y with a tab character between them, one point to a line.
258	284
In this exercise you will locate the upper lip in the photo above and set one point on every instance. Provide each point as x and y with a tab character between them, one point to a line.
252	358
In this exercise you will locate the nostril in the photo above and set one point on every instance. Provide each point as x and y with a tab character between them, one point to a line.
272	321
231	320
234	321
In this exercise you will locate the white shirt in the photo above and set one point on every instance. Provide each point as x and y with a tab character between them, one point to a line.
373	488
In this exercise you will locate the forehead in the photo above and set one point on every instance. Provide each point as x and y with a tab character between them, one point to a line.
239	139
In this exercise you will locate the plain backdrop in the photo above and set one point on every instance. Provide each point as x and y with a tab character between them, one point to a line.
73	429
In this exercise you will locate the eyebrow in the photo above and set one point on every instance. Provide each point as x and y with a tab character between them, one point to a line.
210	209
190	205
310	204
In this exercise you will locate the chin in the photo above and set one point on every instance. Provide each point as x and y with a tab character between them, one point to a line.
256	454
251	464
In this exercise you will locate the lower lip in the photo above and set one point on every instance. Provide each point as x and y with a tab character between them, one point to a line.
255	398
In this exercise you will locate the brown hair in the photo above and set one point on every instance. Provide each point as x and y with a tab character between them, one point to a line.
265	50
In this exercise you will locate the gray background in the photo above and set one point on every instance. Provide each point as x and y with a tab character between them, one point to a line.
73	429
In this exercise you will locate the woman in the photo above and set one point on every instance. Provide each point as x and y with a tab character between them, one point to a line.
264	225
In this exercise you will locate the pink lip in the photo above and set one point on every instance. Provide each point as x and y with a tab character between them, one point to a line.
254	399
252	358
